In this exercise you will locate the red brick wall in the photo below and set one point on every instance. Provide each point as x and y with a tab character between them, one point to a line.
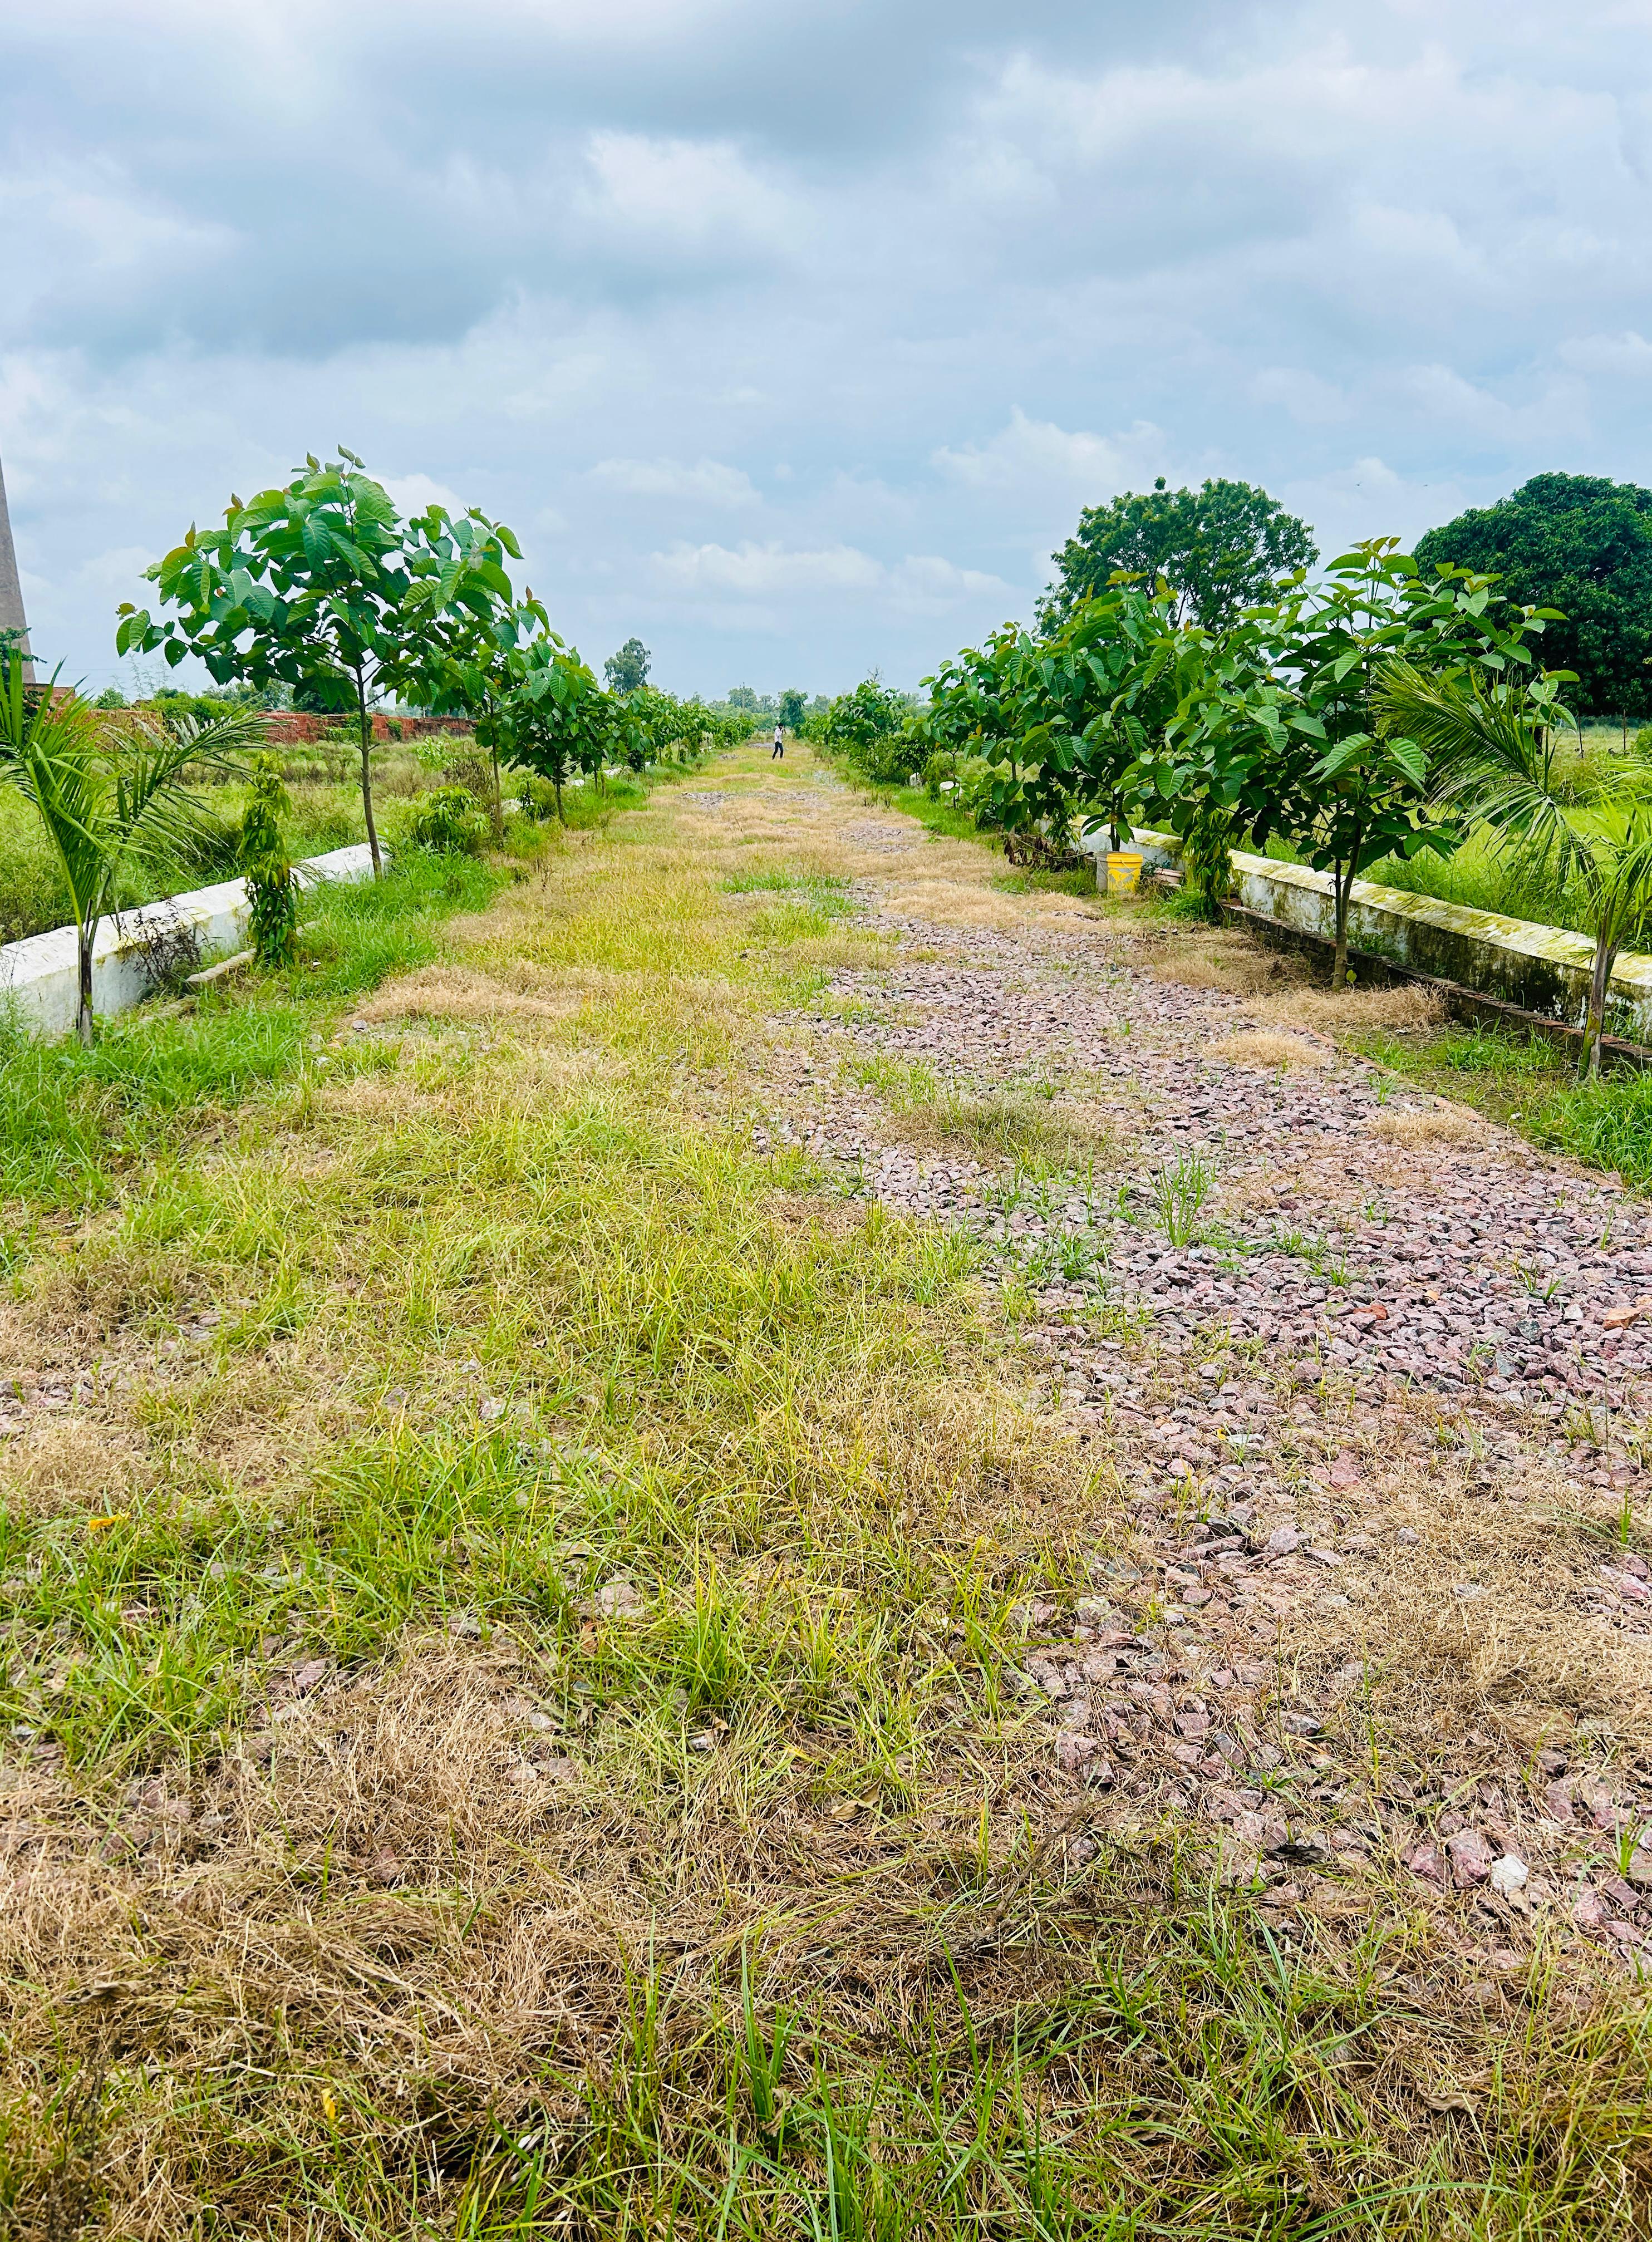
293	728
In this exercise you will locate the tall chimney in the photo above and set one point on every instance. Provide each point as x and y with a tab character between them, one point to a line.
11	615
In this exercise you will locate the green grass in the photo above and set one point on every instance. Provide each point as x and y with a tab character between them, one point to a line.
74	1123
1529	1085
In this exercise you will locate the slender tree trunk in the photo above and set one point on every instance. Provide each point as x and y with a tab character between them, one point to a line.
556	780
1589	1062
365	729
85	936
498	799
1340	889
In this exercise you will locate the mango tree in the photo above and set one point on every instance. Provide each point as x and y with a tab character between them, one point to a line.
320	586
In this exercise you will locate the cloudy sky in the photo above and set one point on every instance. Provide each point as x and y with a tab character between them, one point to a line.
794	337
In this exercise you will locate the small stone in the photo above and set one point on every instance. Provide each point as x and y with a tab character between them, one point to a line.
310	1676
1471	1857
1588	1911
1507	1875
491	1410
1281	1541
1639	1871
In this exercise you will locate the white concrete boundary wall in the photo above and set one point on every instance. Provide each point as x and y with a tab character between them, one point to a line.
1542	969
40	975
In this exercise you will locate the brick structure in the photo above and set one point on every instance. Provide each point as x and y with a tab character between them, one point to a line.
292	727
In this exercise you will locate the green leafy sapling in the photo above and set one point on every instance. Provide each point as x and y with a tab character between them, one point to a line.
273	892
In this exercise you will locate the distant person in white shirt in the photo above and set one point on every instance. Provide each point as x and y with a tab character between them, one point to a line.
780	742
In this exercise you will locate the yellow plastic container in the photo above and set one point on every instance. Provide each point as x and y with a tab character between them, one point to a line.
1124	871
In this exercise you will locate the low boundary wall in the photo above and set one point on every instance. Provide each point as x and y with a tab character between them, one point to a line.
1540	969
40	975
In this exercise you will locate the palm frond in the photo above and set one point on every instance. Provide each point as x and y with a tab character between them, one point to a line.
1492	757
49	745
157	817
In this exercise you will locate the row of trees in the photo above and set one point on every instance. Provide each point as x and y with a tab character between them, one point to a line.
322	589
1579	544
1380	710
319	592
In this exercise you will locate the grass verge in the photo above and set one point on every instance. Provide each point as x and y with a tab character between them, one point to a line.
1522	1082
73	1122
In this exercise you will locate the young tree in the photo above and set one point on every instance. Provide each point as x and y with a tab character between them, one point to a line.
1219	548
553	724
868	727
109	791
1279	722
473	666
320	586
793	706
627	670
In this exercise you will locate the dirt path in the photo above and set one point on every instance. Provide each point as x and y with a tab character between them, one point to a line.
1365	1374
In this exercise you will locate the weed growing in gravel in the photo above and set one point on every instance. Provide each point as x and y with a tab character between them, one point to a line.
1179	1193
1028	1124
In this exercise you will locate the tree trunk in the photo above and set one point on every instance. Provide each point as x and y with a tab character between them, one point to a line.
556	780
498	799
85	936
1341	889
365	725
1589	1062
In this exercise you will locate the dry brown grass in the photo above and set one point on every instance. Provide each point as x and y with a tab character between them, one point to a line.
1221	959
1439	1125
1266	1047
456	992
1402	1009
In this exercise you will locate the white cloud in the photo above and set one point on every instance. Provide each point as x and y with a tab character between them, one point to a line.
1304	395
708	482
1029	455
760	570
1629	355
415	494
1385	261
925	583
681	196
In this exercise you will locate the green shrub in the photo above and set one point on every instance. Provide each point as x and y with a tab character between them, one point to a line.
1643	743
272	890
868	729
447	822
